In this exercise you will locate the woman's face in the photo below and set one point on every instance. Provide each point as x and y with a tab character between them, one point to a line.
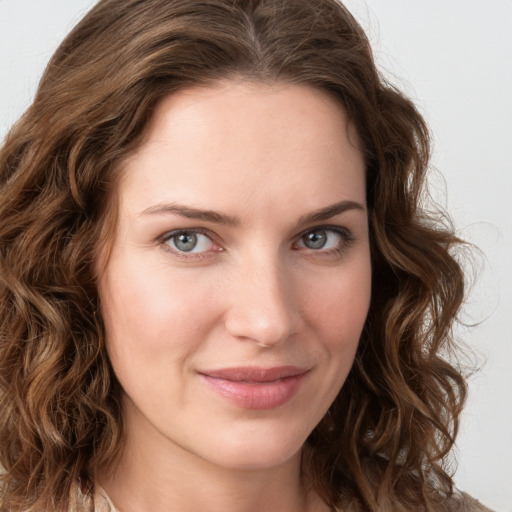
239	279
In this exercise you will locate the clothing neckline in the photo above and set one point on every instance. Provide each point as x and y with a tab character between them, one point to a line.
102	501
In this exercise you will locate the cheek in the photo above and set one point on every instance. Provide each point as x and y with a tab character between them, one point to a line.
337	308
152	314
338	303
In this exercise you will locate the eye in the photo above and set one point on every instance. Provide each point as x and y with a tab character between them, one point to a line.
189	241
324	239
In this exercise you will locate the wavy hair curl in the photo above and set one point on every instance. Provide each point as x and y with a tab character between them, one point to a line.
384	442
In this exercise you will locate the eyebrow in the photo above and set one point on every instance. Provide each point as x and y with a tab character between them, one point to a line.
192	213
224	219
330	211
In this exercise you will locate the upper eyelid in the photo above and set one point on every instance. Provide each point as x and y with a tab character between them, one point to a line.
326	227
210	234
173	232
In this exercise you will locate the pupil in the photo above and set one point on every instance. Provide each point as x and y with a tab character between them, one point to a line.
186	241
315	240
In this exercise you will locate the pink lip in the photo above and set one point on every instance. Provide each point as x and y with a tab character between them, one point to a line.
256	388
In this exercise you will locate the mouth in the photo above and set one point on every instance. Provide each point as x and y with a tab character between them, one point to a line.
256	388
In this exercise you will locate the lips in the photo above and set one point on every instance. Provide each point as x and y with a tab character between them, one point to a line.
256	388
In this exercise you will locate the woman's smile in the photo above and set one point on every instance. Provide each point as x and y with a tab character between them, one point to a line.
238	283
256	388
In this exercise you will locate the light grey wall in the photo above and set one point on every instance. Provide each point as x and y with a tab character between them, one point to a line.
455	59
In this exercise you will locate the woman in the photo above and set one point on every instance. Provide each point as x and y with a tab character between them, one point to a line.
218	288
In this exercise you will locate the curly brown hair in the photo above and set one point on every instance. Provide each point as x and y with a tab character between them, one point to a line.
384	442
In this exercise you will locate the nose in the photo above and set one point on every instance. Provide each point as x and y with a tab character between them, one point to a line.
263	304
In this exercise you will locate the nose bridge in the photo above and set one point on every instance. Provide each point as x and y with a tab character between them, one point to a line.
263	306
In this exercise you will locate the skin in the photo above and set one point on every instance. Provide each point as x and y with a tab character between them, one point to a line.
253	292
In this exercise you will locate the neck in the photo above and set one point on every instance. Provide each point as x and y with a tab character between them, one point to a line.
160	476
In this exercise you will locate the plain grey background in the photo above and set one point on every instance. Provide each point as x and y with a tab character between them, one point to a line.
454	57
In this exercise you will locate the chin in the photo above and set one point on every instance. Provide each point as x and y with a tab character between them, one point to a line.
257	449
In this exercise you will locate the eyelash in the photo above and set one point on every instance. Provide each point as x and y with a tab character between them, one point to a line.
346	240
167	237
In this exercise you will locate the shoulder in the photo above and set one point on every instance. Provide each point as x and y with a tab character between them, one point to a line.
458	502
462	502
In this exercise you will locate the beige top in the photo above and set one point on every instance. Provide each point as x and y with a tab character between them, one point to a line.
462	502
102	502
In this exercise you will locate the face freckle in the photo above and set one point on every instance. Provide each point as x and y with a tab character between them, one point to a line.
239	279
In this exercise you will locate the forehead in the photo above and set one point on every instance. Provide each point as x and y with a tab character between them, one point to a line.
249	109
241	141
